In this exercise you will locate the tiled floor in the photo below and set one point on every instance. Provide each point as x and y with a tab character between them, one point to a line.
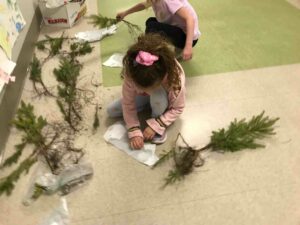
260	187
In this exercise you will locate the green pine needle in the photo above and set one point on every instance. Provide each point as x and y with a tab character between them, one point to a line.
14	157
242	134
173	176
61	108
55	44
35	70
68	72
31	125
80	49
102	22
96	123
7	184
41	45
66	75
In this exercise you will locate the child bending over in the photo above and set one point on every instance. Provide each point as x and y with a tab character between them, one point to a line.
176	19
151	75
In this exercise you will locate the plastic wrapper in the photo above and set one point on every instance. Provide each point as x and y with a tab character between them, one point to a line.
48	182
96	35
70	179
116	60
60	216
74	176
34	192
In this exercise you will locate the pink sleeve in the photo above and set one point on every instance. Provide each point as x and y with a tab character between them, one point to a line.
173	5
170	115
176	106
129	108
176	109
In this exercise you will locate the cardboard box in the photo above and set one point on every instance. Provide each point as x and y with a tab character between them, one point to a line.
63	16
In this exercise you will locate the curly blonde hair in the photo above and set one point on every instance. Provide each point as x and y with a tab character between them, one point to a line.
147	76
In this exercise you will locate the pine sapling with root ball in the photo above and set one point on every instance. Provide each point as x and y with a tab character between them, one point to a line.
240	135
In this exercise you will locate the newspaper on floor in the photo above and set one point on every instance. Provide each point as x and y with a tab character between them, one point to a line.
96	35
116	134
116	60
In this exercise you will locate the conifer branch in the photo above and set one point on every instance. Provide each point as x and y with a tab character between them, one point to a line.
14	157
68	102
238	136
173	176
36	132
242	134
96	122
36	77
79	49
7	184
55	44
103	22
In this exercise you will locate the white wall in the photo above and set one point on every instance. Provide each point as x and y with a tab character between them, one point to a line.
27	8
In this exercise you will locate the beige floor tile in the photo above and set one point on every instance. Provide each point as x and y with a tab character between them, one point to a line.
100	221
243	84
295	3
276	206
93	200
135	186
166	215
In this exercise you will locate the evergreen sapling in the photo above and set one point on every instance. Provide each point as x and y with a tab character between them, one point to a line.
68	102
240	135
51	143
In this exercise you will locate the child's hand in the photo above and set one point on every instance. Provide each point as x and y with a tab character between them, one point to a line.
120	16
187	53
136	142
148	134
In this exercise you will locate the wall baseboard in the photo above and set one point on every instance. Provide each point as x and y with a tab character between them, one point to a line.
13	92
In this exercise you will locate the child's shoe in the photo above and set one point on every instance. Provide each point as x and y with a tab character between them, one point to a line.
159	139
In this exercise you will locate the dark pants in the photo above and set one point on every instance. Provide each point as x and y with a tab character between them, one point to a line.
173	33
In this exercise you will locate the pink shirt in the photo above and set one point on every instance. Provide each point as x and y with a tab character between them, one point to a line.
175	108
165	13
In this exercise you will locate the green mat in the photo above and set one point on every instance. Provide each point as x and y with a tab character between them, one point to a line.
236	35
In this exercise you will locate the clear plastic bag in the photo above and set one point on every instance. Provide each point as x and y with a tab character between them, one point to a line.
34	191
74	176
43	182
60	216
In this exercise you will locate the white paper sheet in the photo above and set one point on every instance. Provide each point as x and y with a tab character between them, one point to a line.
55	3
116	134
96	35
6	68
115	60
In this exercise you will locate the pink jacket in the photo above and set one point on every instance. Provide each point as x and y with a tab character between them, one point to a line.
175	108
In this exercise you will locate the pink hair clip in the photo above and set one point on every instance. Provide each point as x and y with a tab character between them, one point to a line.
146	58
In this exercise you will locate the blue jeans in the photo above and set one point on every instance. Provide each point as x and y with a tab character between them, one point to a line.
158	101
